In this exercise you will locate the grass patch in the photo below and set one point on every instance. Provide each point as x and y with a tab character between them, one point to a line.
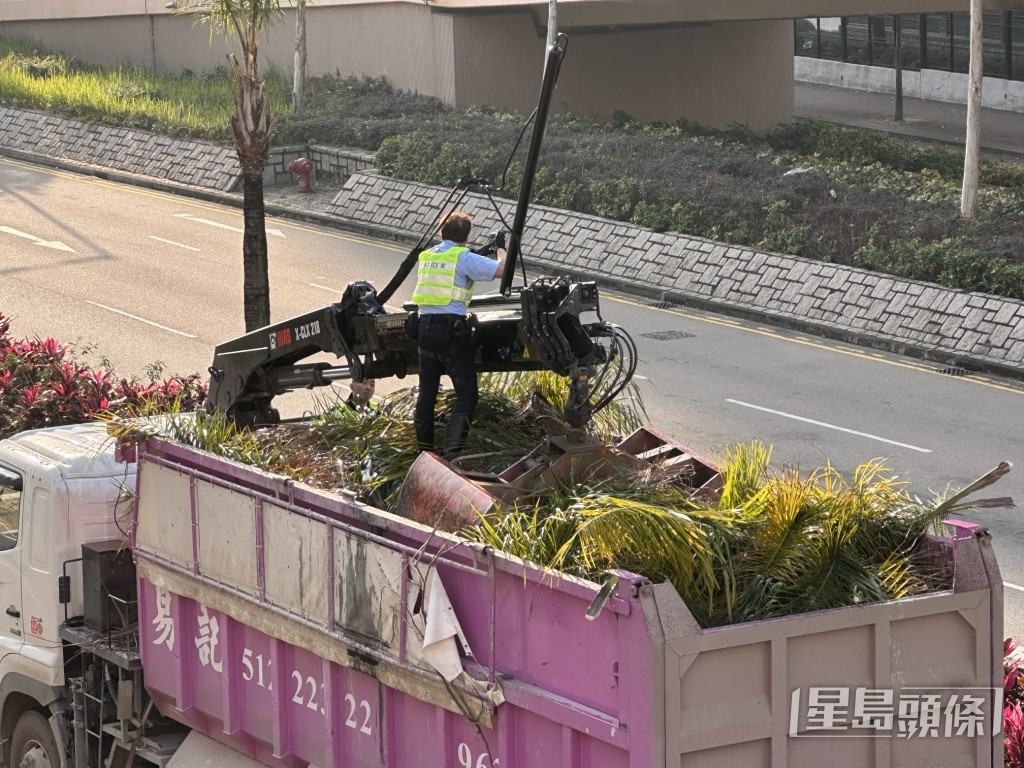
185	105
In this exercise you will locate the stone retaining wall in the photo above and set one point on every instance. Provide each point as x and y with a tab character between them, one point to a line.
843	302
185	162
336	165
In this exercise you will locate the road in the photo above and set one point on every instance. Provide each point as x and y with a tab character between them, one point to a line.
141	279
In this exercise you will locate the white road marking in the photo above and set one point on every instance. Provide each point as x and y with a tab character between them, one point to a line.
829	426
190	217
141	319
1013	586
55	244
326	288
638	376
171	242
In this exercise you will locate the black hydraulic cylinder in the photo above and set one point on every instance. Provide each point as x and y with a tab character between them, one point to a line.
554	61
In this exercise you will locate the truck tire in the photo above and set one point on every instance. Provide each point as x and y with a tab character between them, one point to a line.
33	745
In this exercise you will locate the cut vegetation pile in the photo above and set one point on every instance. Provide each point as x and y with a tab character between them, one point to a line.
772	544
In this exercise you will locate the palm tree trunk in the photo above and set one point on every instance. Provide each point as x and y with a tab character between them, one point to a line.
299	71
256	276
972	146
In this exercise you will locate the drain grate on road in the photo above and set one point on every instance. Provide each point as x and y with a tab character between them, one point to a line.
969	366
666	335
962	368
663	304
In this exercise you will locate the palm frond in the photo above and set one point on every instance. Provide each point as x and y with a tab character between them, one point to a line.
744	470
958	503
689	549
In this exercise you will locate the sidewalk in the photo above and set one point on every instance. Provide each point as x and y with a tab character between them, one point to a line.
1002	132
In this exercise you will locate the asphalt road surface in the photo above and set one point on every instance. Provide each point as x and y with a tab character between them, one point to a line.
142	279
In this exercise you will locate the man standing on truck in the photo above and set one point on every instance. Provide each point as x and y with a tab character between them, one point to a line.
360	396
444	286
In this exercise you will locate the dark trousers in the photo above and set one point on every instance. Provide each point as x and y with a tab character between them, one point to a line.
440	353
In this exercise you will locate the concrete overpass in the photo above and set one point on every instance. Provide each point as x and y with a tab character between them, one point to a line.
713	62
596	14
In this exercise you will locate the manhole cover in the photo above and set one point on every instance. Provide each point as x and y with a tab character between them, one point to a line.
666	335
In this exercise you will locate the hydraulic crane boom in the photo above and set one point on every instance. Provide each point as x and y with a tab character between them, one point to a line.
532	327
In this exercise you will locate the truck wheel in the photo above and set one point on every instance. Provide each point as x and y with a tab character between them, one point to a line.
33	745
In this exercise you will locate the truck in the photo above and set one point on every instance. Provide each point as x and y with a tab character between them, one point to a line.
167	606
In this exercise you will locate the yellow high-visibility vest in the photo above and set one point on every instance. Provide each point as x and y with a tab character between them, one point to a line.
435	278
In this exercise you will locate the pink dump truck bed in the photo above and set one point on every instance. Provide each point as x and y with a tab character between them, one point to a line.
302	628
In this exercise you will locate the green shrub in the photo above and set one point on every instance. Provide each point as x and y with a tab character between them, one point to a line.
405	156
615	199
554	191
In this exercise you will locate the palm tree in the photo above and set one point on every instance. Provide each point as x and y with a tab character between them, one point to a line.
252	125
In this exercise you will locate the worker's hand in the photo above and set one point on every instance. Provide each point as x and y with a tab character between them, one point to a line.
491	247
499	240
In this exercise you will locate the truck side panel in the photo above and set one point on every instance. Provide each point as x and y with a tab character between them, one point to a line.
300	618
285	705
317	620
742	695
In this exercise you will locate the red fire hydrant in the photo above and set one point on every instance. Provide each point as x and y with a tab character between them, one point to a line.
303	168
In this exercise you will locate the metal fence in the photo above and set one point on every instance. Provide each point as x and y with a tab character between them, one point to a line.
928	41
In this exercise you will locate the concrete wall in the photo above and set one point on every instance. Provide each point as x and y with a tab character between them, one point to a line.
951	87
571	13
715	74
623	12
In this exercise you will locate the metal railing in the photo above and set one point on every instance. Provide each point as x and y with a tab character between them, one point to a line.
938	41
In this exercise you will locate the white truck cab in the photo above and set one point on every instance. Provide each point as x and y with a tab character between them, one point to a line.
71	692
59	488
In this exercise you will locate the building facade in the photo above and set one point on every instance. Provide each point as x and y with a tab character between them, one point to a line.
712	62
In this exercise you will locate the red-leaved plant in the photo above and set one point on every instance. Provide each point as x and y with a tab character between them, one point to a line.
1013	705
43	385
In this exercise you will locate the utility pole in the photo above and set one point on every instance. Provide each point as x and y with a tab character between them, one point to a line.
969	197
552	22
898	50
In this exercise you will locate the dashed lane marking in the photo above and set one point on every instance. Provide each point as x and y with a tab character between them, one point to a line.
210	223
828	426
141	319
171	242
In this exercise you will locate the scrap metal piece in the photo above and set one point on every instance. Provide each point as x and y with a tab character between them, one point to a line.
436	494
